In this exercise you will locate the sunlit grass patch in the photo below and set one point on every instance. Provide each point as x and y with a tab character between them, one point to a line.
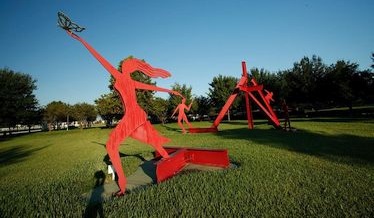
326	168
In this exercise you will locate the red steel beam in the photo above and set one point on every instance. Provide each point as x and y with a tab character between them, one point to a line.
180	157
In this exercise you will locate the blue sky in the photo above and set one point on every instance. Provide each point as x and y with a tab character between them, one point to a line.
193	39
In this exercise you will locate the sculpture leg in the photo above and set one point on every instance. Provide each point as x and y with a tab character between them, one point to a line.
180	124
186	120
147	134
112	146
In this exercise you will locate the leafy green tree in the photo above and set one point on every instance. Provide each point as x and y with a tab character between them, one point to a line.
18	103
220	89
363	87
340	83
84	113
266	78
160	109
303	81
271	81
32	117
203	105
372	58
55	113
109	107
174	100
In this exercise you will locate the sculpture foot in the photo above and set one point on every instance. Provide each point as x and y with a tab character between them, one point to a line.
118	194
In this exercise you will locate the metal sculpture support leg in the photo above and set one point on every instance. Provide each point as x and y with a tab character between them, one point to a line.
144	133
180	124
112	147
147	134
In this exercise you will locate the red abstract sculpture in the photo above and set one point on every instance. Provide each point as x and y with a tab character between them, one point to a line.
181	115
168	162
263	102
134	123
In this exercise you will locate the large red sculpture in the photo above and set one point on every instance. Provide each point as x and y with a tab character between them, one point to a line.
134	123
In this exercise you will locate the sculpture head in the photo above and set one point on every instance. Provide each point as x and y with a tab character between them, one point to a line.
131	65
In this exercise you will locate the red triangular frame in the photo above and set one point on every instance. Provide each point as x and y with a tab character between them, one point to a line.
263	102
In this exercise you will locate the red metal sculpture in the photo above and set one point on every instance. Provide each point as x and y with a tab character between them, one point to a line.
135	124
181	115
180	157
263	102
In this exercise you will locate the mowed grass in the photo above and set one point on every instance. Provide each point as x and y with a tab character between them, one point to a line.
324	169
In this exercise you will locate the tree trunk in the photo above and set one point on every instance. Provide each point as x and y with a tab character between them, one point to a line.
350	109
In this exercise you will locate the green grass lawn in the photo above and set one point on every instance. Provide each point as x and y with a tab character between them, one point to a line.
325	169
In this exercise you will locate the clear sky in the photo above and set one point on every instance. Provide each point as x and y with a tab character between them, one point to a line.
193	39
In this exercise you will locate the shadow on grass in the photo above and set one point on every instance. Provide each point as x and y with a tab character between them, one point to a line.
341	148
106	158
172	128
94	205
244	123
16	154
333	119
8	137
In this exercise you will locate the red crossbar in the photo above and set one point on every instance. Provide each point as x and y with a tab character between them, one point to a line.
203	130
166	168
180	157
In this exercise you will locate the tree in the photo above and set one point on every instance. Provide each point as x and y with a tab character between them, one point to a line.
363	87
174	100
220	89
109	107
270	81
56	112
84	113
303	81
32	117
203	105
340	78
160	109
372	58
18	103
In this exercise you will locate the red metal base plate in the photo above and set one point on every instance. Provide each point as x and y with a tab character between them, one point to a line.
202	130
180	157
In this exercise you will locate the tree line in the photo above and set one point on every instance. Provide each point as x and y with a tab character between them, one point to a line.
158	109
19	105
309	84
312	84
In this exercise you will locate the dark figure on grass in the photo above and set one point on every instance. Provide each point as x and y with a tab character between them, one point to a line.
134	122
287	123
95	206
181	115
